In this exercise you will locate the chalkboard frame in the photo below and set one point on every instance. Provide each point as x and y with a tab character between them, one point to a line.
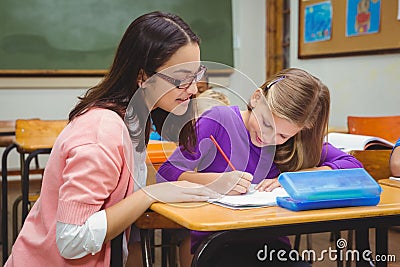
382	42
179	9
52	73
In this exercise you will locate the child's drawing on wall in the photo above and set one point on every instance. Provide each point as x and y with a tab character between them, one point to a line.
363	17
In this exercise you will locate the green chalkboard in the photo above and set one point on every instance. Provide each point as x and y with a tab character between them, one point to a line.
80	36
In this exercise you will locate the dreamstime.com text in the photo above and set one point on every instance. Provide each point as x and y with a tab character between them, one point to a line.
331	254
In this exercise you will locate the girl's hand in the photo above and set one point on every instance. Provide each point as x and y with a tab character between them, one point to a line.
232	183
268	185
180	191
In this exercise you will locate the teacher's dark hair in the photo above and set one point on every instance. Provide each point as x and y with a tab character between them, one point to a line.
149	41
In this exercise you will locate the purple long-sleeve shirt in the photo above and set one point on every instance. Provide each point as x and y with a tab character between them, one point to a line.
228	128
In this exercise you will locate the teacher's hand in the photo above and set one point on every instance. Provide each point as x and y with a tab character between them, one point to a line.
180	191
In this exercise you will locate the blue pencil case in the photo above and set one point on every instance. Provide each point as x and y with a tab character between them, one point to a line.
328	189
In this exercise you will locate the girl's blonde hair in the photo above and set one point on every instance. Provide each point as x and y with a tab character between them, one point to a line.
210	98
299	97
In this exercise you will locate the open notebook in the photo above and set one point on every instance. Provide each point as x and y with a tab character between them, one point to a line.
348	142
252	199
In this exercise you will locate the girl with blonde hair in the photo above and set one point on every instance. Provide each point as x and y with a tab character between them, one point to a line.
282	130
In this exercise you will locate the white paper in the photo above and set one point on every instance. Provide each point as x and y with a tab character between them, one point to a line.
394	178
398	10
252	199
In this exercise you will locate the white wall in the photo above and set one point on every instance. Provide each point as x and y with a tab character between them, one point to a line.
359	85
249	47
44	98
362	85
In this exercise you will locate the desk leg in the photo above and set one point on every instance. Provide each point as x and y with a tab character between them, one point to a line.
362	244
4	202
381	250
336	237
25	180
146	247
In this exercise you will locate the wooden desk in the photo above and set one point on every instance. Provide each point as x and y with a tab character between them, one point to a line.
7	127
5	131
276	221
7	134
389	182
191	215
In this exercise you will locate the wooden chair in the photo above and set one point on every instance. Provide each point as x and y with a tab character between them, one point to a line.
386	127
7	137
375	162
35	133
32	137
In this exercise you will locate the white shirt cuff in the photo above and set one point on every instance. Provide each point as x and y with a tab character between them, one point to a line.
76	241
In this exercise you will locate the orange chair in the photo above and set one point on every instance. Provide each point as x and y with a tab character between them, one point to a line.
386	127
157	154
376	162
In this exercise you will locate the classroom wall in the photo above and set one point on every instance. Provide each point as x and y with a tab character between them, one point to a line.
359	85
53	98
362	85
248	49
49	103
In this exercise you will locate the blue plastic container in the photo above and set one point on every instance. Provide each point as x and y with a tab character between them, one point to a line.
328	189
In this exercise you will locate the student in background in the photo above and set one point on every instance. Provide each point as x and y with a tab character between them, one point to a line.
87	197
203	85
211	98
282	130
395	160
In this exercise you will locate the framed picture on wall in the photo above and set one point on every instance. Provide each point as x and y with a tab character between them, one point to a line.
329	28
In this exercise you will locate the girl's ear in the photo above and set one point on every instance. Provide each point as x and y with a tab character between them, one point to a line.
141	78
256	97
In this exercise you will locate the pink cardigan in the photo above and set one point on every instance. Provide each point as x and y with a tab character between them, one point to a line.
90	168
